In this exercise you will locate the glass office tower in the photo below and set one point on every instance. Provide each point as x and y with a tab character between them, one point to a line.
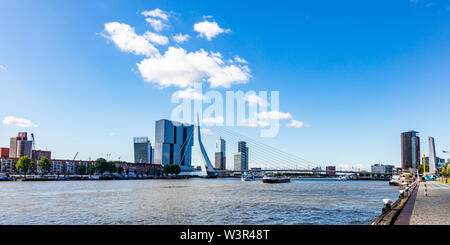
173	143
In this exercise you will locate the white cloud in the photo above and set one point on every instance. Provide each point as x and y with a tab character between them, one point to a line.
213	120
155	38
156	13
295	123
209	29
240	60
127	40
181	38
206	131
414	1
156	24
112	134
180	68
254	99
2	67
253	123
19	122
190	94
274	115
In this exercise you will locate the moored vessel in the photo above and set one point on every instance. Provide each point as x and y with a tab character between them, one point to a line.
247	177
272	179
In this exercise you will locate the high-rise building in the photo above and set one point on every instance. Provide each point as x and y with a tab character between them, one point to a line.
142	150
220	162
20	146
238	161
173	143
242	147
410	150
432	160
241	157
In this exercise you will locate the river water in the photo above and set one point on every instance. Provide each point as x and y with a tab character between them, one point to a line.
194	201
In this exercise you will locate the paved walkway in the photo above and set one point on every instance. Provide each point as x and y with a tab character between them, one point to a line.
433	209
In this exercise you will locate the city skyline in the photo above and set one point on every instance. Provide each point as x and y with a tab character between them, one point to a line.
346	91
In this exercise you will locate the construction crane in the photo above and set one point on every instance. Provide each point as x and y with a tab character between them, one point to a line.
75	157
33	142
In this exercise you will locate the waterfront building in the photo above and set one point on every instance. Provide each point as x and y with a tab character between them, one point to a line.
71	167
142	150
57	167
38	154
220	160
239	161
432	157
173	143
330	170
410	142
242	148
4	153
20	146
7	165
382	169
140	168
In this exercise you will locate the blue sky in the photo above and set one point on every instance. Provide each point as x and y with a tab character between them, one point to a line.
357	73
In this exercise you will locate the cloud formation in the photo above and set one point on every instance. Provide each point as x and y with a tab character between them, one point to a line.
206	131
181	38
254	100
19	122
213	120
127	40
2	67
156	38
180	68
240	60
156	13
273	115
209	29
156	24
295	124
190	94
253	123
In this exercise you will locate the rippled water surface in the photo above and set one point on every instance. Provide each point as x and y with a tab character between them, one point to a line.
194	201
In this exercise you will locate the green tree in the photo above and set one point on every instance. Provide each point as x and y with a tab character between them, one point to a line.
120	170
101	165
172	169
81	169
444	171
92	169
111	167
25	164
427	168
44	164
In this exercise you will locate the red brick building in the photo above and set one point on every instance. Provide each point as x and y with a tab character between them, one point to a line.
4	152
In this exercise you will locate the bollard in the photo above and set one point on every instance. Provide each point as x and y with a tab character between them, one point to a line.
425	190
387	205
401	193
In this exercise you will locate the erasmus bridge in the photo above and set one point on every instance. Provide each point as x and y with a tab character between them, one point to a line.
262	157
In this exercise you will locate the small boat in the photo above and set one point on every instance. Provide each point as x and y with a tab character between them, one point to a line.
271	179
394	180
247	177
94	177
345	177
